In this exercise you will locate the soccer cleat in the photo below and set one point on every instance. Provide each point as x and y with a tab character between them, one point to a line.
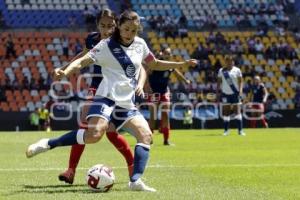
139	185
36	148
67	176
226	133
242	133
167	143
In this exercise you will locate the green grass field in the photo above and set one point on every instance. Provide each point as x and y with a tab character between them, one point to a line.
202	165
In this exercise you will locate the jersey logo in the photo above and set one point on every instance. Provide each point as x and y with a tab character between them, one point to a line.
117	50
123	59
130	70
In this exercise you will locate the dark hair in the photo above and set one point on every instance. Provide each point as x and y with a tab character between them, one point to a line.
105	13
124	17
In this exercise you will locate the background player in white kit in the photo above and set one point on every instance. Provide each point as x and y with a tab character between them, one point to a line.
120	57
230	82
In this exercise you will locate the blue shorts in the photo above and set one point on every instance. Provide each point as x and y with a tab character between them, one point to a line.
120	116
101	107
106	109
230	99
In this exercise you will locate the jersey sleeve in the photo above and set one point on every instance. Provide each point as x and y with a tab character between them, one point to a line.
220	73
148	56
96	53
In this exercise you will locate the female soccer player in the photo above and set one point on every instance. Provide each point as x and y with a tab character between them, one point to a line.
231	82
120	58
160	95
106	23
259	95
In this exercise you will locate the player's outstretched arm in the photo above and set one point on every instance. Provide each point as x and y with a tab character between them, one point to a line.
162	65
84	51
266	94
73	67
181	77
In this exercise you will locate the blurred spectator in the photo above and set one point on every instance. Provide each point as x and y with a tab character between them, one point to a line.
251	45
33	84
2	21
152	22
297	99
34	120
183	32
288	71
200	53
188	118
2	94
90	19
72	22
247	87
65	45
296	33
15	85
296	68
259	47
272	52
249	71
25	83
44	119
182	21
280	31
270	101
78	47
10	48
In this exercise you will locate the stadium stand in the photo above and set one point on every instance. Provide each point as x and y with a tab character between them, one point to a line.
224	13
48	13
25	78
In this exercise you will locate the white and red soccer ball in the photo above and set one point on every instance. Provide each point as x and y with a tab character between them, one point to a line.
100	178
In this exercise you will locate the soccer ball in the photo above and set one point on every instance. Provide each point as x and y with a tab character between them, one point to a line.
100	178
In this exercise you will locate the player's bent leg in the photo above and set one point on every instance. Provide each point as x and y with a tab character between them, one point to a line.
76	150
139	127
97	126
75	155
96	129
122	146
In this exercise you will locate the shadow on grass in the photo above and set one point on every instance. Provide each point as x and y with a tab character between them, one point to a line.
56	189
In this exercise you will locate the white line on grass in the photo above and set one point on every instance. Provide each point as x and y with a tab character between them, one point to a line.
165	166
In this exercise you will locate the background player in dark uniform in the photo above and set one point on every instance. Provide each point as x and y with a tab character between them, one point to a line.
160	95
106	22
259	95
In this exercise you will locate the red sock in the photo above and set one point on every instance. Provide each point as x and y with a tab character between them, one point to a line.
75	154
253	123
264	122
166	132
122	145
76	151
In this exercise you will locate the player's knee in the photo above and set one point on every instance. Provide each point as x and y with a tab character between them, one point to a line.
146	137
94	134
